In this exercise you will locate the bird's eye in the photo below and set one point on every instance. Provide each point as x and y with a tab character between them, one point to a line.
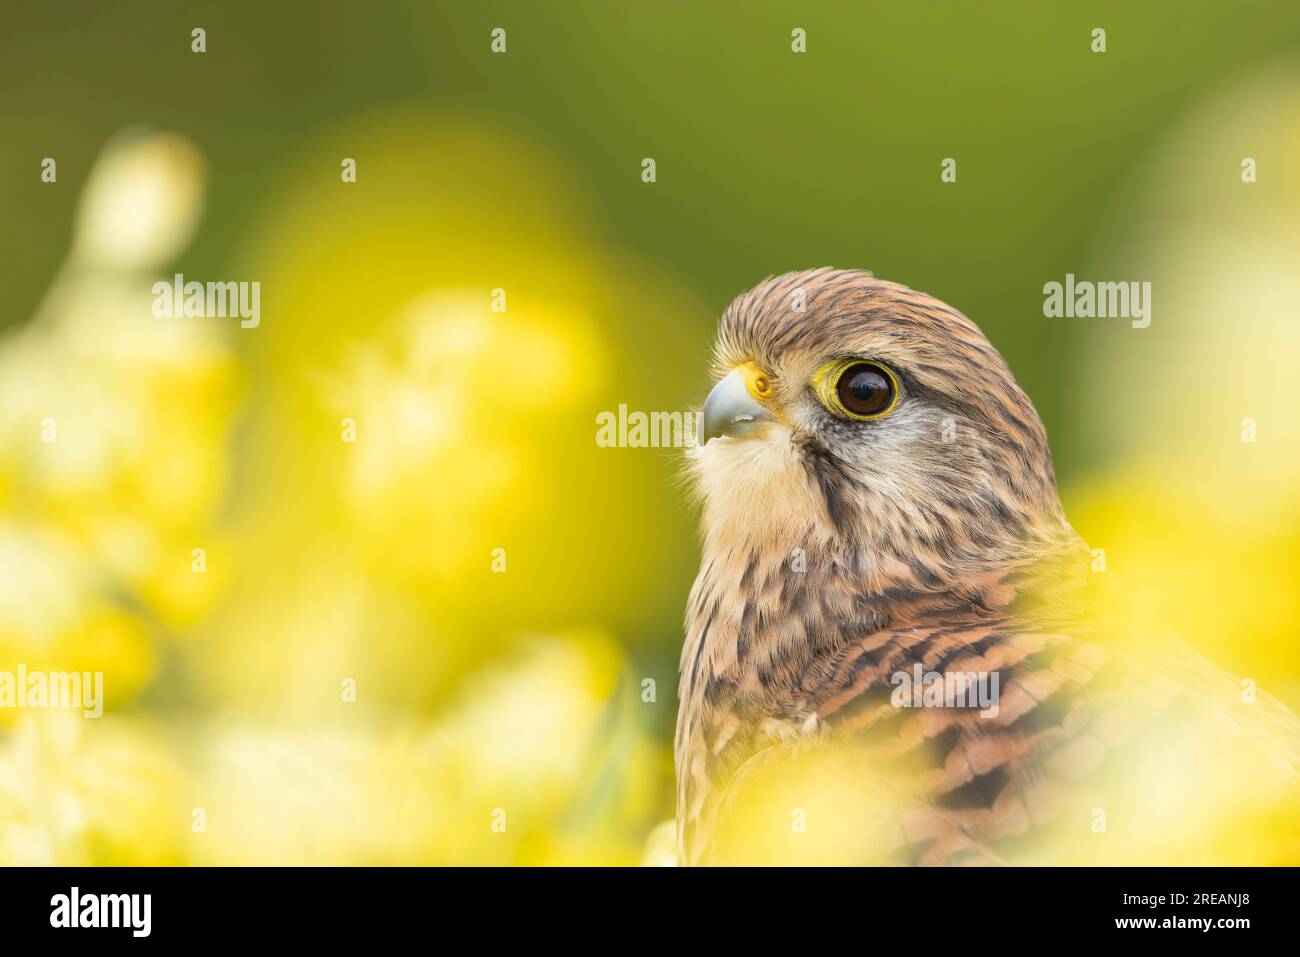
858	389
865	390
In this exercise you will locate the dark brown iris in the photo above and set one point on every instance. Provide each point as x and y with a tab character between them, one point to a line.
865	389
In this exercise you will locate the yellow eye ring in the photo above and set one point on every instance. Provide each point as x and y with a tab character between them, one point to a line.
857	389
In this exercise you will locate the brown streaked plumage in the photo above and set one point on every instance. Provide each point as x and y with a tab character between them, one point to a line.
840	553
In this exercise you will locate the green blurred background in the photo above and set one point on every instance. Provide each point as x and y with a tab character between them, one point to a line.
330	561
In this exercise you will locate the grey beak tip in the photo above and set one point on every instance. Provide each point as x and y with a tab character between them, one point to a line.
729	410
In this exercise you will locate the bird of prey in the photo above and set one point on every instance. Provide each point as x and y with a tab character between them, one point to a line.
880	521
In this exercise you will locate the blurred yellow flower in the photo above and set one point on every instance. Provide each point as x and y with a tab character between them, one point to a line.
102	791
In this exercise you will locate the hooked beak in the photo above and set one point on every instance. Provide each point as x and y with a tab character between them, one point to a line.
730	409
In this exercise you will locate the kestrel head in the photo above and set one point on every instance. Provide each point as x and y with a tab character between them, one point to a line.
861	418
